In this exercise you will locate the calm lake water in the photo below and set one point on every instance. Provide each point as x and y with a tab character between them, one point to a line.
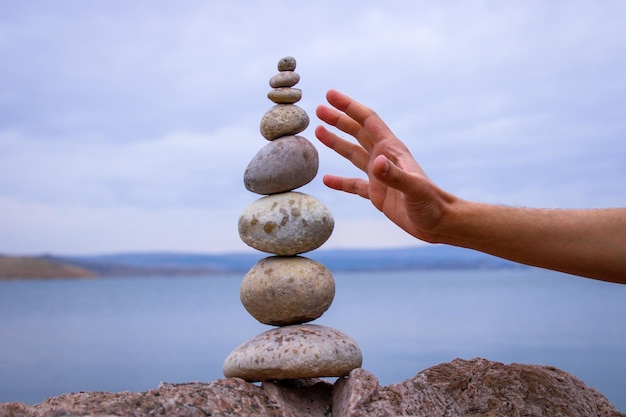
129	334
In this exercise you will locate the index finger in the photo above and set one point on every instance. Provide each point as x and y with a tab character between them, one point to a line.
367	118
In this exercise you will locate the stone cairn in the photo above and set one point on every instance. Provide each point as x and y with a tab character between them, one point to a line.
287	290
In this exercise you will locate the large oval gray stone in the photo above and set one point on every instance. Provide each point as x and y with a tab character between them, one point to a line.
282	290
283	120
294	352
286	224
282	165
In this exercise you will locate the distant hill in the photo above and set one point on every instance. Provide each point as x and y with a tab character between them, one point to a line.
164	263
20	267
429	257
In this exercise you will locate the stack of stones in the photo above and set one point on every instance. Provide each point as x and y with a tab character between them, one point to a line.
287	290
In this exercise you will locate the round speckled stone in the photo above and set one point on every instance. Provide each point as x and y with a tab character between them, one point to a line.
285	95
286	224
283	120
294	352
282	290
287	63
282	165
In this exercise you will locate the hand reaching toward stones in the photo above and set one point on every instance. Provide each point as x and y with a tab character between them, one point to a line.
589	242
396	183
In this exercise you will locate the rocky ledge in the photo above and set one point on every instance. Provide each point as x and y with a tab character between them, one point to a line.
477	387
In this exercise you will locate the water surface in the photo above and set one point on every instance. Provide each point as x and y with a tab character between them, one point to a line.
129	334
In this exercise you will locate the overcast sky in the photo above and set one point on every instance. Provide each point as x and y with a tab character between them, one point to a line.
127	126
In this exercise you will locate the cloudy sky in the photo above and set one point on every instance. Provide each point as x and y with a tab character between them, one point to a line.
128	125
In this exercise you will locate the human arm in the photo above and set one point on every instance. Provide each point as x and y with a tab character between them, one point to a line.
589	243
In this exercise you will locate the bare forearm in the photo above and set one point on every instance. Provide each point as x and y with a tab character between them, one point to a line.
589	243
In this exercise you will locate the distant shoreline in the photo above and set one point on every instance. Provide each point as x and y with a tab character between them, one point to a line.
27	268
431	257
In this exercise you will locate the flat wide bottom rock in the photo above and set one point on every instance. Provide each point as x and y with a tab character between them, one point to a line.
294	352
478	388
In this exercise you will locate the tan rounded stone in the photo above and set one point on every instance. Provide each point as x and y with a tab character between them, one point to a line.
284	79
294	352
287	63
282	290
286	224
285	95
283	120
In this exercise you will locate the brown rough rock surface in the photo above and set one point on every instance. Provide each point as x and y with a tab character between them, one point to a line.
477	387
472	388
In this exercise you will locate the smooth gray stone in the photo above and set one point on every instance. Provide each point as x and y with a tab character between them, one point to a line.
287	63
294	352
283	120
284	79
286	224
285	95
283	290
282	165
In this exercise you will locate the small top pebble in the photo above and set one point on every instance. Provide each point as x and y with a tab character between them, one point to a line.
287	63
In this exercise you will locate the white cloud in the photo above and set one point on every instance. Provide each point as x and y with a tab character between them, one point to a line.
179	169
150	111
72	229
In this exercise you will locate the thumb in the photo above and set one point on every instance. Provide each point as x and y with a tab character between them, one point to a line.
389	174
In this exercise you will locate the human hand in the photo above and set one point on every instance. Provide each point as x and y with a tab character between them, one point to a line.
396	184
589	243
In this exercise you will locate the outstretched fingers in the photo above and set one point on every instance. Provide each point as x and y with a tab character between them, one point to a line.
349	185
352	152
338	119
374	129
